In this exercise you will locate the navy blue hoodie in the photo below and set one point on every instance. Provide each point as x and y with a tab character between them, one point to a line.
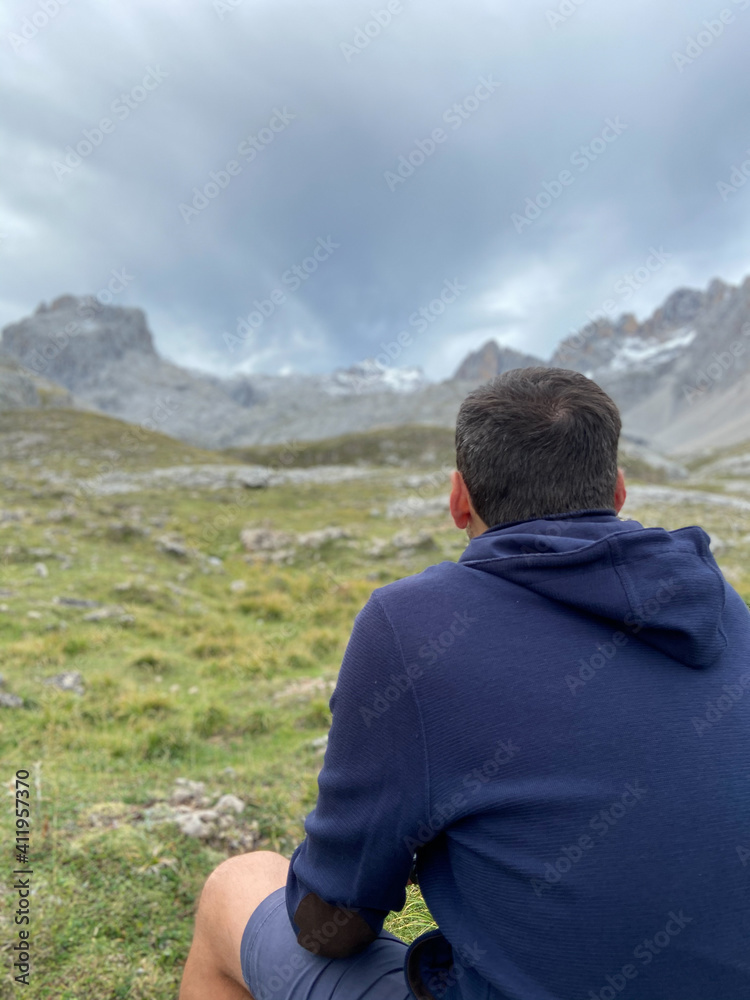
558	726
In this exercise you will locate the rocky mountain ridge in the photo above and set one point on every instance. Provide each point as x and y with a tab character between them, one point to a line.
681	378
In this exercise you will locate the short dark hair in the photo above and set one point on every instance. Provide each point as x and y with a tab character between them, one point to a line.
538	441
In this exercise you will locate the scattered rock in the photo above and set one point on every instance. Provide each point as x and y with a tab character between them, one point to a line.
69	680
679	497
265	539
237	586
61	514
229	804
10	700
268	545
417	507
378	548
191	810
433	479
196	824
173	547
123	531
419	541
320	744
315	539
36	615
108	613
718	545
253	479
186	791
56	627
7	516
75	602
40	569
405	543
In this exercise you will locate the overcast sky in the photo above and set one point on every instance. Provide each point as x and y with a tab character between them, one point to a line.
319	105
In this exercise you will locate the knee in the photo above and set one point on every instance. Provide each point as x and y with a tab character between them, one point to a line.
219	883
236	877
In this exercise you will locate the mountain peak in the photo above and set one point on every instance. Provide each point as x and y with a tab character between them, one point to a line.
492	359
72	338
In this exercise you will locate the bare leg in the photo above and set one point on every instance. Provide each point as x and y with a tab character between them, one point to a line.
231	893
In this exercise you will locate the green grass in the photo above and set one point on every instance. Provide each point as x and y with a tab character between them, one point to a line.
416	445
192	679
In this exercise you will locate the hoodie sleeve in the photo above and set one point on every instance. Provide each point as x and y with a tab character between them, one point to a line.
353	866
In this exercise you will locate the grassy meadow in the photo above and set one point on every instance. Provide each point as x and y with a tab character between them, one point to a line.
199	660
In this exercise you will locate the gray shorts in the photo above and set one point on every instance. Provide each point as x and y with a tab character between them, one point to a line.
276	967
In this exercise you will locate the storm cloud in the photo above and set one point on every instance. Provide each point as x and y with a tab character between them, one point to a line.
535	154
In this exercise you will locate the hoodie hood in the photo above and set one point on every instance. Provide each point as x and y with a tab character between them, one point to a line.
662	586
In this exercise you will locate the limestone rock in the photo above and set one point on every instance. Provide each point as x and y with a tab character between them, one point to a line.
315	539
229	804
69	680
266	539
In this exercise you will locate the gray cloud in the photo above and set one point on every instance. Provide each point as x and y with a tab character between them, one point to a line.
226	70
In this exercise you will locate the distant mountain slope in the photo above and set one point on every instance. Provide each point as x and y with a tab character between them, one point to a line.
681	378
22	389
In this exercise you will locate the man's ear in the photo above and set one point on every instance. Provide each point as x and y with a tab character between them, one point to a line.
621	493
459	501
